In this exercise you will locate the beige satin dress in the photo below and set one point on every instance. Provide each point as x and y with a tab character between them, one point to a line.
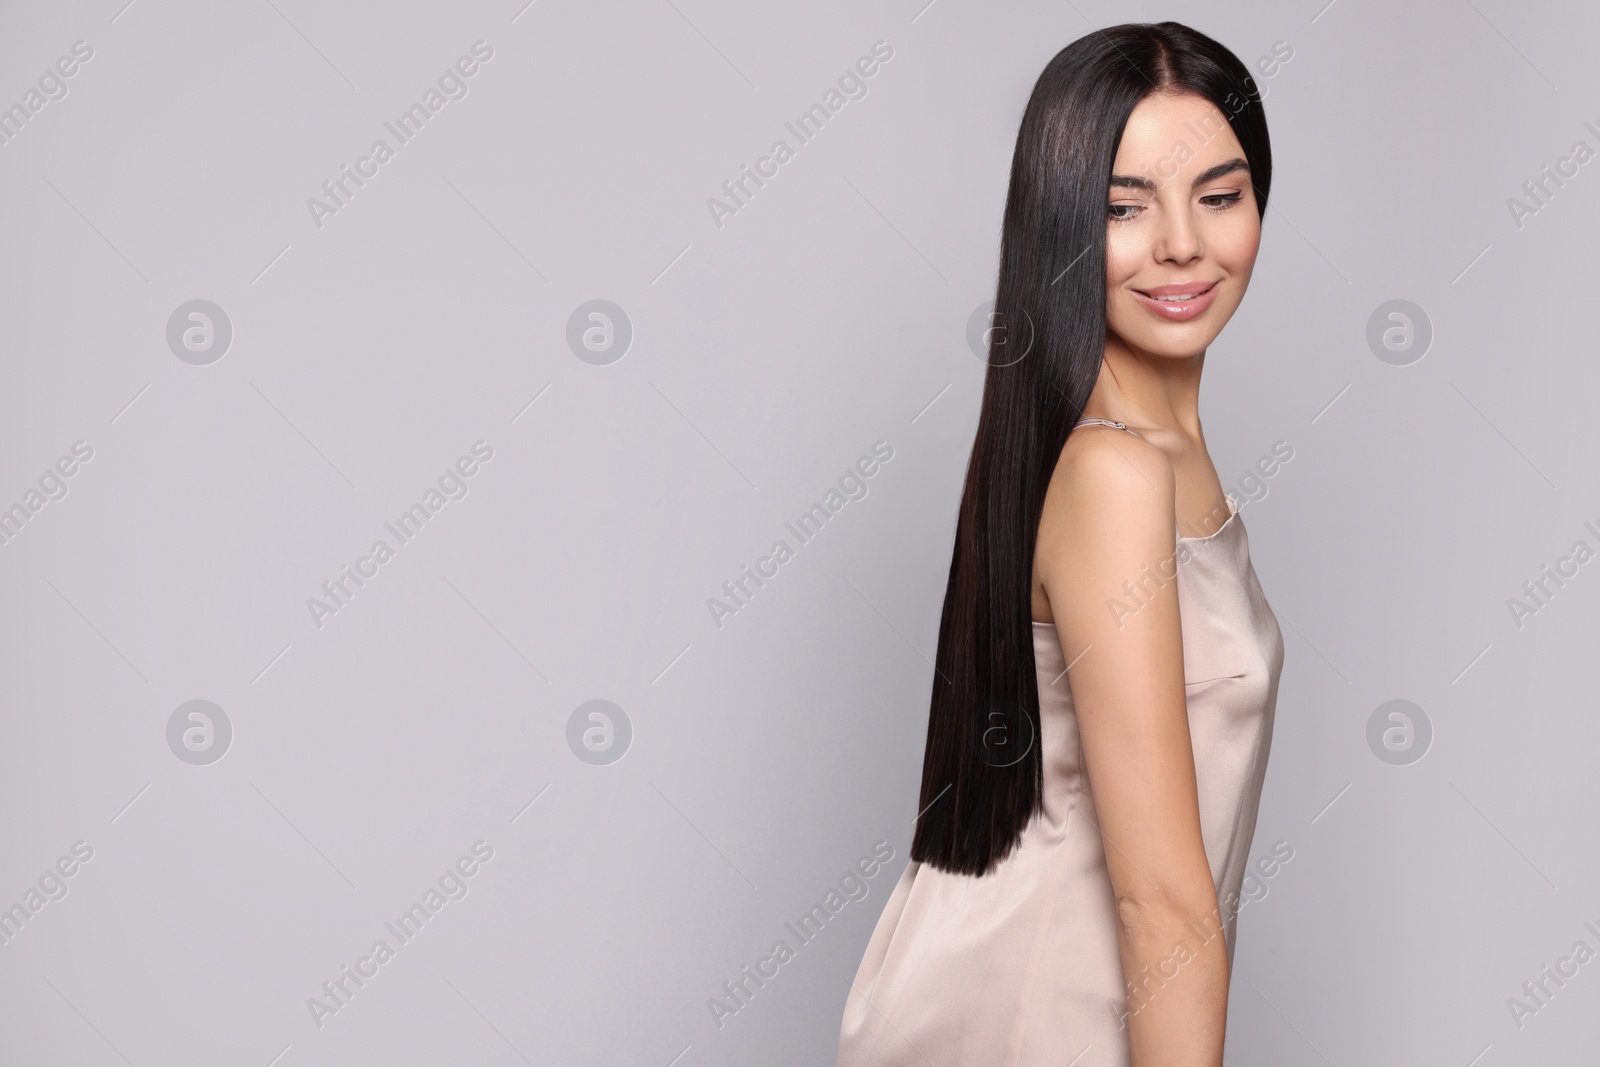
1020	967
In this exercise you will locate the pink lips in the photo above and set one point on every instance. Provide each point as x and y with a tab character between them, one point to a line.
1178	311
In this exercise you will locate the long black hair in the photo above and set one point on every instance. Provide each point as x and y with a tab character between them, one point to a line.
982	771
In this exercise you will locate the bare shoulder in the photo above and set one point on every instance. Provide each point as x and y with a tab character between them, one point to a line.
1105	459
1112	492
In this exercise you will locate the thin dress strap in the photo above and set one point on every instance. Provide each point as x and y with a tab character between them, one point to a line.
1102	422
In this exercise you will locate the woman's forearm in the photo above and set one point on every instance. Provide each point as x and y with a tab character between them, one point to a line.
1175	965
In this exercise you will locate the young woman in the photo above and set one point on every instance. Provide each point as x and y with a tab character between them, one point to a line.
1107	667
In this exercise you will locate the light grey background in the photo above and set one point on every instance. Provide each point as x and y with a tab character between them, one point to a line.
770	753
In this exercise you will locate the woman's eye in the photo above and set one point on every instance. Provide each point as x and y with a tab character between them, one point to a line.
1221	201
1121	212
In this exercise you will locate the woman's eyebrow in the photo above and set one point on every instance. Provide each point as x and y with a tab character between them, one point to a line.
1132	181
1220	169
1128	181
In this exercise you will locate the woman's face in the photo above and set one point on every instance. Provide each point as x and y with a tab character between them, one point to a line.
1182	227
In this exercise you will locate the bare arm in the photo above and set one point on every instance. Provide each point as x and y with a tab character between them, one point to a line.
1108	514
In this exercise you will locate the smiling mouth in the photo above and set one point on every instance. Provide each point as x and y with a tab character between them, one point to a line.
1179	301
1168	295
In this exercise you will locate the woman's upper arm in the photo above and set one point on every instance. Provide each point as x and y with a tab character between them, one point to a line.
1108	520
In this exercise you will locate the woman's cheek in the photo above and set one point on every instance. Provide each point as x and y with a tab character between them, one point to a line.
1122	258
1243	244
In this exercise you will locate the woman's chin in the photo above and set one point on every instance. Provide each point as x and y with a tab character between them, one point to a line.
1167	343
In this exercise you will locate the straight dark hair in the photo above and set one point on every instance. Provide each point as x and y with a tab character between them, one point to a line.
982	770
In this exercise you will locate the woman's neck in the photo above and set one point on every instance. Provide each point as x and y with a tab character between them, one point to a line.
1142	389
